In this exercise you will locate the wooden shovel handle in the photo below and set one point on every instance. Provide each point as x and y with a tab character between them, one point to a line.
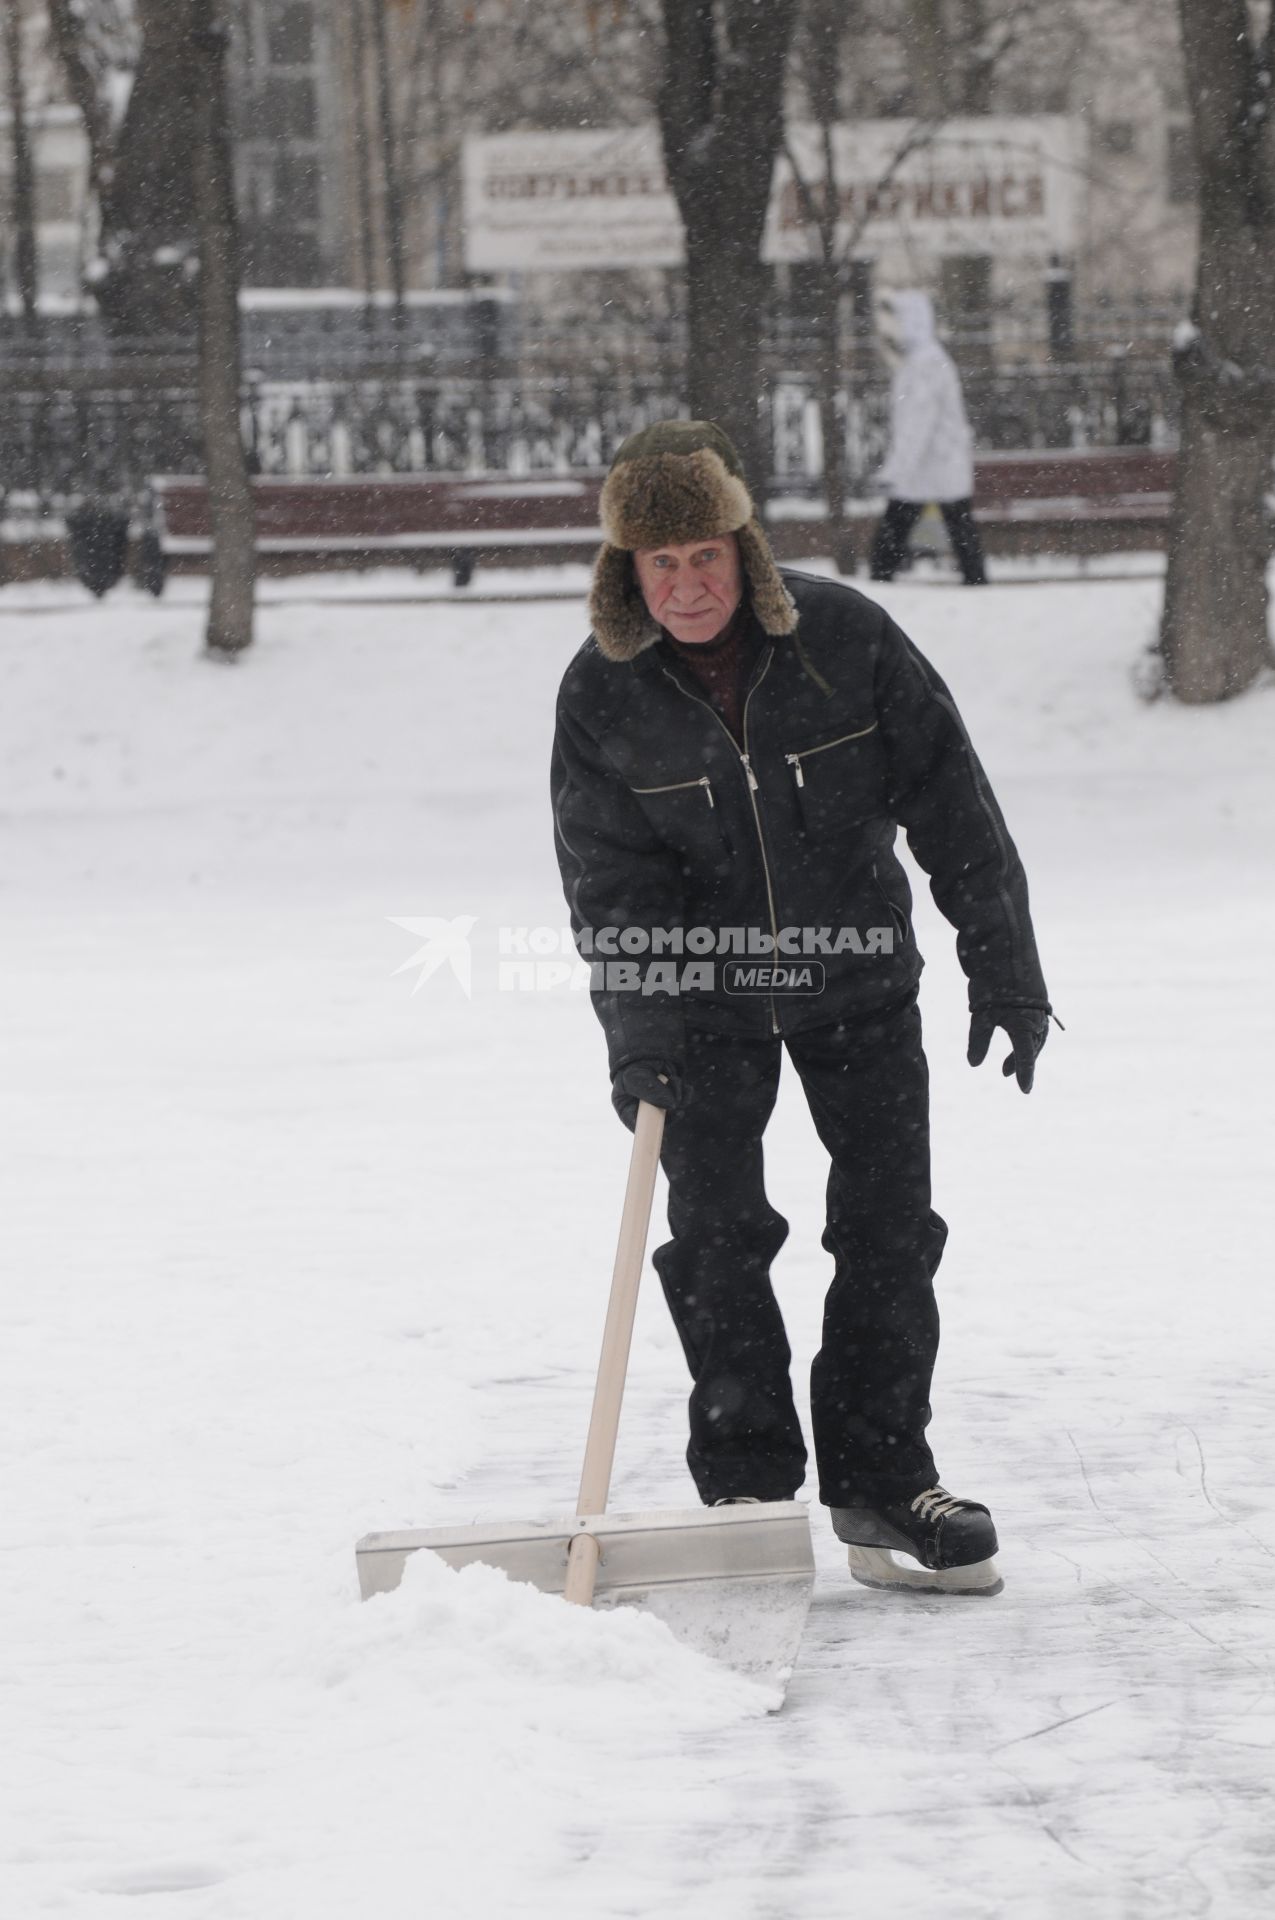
617	1338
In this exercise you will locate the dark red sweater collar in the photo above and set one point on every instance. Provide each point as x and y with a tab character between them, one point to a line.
722	666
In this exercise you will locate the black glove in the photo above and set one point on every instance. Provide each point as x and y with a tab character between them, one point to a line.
648	1080
1028	1029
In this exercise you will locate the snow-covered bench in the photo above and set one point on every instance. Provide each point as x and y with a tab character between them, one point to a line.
419	519
1074	501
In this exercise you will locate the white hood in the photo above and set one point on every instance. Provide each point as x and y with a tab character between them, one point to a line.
913	319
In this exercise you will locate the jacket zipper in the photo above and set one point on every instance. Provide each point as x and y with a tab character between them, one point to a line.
795	759
746	763
680	786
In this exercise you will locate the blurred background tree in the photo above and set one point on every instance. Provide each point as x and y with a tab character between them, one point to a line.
1214	633
21	167
201	78
119	58
721	112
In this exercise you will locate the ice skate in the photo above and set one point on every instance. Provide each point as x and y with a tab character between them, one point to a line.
951	1543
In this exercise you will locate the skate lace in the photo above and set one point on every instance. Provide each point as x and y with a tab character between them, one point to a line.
935	1502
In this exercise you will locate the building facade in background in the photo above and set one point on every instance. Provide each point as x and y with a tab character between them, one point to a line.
360	126
60	159
1114	275
1112	69
288	97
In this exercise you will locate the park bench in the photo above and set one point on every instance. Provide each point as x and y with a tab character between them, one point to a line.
412	519
1072	501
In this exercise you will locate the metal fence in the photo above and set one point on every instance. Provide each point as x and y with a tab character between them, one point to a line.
99	437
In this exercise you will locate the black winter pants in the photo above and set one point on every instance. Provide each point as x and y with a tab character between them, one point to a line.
897	522
867	1086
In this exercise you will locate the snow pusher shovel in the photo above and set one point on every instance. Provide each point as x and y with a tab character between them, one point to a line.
734	1582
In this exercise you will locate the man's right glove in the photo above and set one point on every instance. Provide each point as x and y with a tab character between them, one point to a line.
1028	1030
652	1081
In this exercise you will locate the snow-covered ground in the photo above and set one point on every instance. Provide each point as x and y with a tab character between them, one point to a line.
291	1251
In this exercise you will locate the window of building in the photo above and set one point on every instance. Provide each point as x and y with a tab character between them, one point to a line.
966	289
805	281
297	259
290	109
280	253
296	190
55	194
257	193
59	268
55	197
1054	95
894	103
1118	137
290	34
1182	183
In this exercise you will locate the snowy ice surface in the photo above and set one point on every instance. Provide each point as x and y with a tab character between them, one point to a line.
291	1251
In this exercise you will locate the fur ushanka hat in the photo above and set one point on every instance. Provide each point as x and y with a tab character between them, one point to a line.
674	482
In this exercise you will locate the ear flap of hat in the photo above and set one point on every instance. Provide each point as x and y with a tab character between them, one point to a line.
771	600
622	626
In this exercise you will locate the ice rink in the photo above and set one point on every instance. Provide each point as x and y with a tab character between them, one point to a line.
297	1244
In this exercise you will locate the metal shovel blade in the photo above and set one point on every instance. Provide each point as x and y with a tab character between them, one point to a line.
732	1582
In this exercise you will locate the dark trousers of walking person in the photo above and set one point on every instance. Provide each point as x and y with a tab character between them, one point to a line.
900	516
867	1086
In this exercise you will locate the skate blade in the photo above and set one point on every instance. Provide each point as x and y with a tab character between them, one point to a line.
877	1567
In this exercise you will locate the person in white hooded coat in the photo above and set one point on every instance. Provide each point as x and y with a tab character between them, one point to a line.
931	455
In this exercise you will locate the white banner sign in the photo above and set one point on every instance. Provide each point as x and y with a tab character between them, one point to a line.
1008	187
555	200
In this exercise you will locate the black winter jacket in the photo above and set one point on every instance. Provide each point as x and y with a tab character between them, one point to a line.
662	822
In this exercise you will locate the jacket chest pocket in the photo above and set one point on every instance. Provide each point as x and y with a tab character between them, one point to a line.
685	814
838	782
702	785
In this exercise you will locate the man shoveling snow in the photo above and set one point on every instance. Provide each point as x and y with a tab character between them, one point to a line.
735	751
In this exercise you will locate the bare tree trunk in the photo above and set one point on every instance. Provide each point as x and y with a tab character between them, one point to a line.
831	423
66	34
362	140
821	66
147	208
926	34
230	612
724	376
23	171
1214	633
978	60
394	224
820	205
955	51
720	109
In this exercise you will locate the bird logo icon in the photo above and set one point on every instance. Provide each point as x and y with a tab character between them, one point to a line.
446	943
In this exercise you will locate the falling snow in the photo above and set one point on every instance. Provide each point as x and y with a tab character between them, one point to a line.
292	1251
